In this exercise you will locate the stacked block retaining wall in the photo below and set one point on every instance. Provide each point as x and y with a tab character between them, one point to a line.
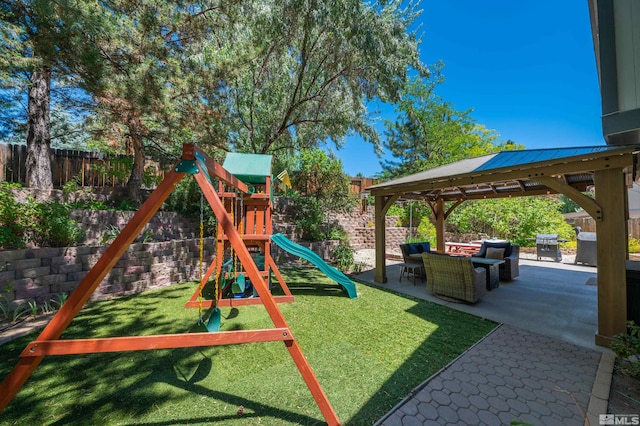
164	226
41	274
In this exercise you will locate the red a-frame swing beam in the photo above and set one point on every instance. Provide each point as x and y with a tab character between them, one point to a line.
47	342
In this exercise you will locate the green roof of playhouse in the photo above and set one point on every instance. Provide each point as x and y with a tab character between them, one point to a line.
249	168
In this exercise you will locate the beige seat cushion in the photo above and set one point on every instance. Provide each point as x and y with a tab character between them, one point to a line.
494	253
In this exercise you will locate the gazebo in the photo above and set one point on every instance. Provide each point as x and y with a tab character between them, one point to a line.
569	171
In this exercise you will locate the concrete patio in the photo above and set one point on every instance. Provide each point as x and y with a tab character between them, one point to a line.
554	299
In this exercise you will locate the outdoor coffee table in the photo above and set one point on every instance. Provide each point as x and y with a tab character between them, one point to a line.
492	266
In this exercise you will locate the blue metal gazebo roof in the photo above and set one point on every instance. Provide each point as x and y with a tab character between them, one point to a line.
530	156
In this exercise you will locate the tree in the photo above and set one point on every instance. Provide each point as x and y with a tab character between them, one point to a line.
429	132
40	39
250	76
120	52
326	188
132	49
153	94
320	176
515	219
67	130
299	73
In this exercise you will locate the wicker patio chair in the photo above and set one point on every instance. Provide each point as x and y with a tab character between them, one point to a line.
454	276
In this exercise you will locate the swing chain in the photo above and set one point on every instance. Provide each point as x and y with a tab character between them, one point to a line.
234	219
216	290
201	257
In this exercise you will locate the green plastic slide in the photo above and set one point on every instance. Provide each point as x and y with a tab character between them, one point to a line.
306	254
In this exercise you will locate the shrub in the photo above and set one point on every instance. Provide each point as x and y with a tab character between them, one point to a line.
326	189
515	219
71	188
627	345
185	200
343	255
309	218
426	231
89	205
337	234
5	307
45	224
9	238
634	245
55	228
12	218
409	213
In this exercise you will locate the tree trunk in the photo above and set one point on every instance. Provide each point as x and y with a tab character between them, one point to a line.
137	171
38	161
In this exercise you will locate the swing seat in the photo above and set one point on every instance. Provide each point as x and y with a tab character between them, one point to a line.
238	286
200	327
213	323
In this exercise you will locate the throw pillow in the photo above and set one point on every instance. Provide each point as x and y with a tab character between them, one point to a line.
495	253
506	245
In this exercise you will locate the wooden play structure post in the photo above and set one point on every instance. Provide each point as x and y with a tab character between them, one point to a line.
204	170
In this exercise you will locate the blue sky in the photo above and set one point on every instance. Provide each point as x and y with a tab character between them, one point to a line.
527	69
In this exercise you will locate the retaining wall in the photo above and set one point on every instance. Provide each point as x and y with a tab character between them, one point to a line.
359	226
163	226
41	274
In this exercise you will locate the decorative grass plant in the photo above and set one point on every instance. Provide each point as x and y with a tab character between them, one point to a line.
368	353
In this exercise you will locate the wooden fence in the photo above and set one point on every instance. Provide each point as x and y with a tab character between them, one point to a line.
588	224
97	169
85	168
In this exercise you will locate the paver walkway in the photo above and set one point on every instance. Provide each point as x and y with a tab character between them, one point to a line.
512	374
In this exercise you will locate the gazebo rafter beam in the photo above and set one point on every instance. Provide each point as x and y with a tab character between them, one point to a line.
414	196
617	161
491	195
587	203
452	207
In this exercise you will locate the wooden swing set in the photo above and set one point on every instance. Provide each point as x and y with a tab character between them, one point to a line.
252	228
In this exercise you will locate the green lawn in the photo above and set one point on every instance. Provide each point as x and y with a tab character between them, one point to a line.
368	353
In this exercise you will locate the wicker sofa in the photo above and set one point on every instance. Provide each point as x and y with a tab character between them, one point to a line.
510	269
454	276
